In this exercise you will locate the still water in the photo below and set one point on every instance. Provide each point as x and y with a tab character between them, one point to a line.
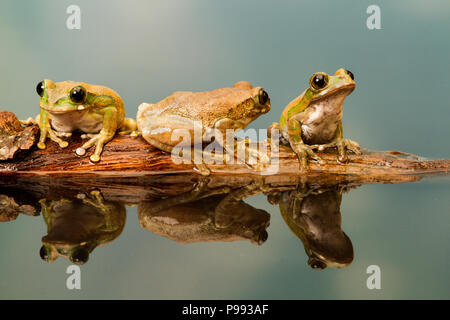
304	241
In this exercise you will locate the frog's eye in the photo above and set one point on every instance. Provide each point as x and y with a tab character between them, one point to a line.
319	80
77	94
43	253
80	256
316	264
350	74
40	88
263	97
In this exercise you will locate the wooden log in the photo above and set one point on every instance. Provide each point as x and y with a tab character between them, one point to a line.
127	156
131	170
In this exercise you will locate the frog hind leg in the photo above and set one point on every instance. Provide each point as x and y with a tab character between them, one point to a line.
224	215
106	134
30	121
201	167
129	127
241	146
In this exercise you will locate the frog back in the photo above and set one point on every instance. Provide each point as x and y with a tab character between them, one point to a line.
207	107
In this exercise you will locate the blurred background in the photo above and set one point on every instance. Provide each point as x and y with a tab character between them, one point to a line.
145	50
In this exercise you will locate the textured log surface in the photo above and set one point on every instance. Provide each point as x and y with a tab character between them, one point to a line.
127	156
131	171
15	139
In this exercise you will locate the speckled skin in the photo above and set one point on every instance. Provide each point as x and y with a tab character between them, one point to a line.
222	109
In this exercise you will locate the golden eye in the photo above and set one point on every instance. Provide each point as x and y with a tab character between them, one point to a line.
77	94
319	80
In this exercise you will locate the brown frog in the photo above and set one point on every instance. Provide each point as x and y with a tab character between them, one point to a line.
188	112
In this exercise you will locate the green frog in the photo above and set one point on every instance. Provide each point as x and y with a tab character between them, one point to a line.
221	109
75	227
313	214
96	111
313	120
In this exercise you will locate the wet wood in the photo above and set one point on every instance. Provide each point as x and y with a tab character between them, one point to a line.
127	156
131	171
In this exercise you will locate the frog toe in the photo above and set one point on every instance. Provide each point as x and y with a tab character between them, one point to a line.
343	158
202	169
80	151
41	145
63	144
95	158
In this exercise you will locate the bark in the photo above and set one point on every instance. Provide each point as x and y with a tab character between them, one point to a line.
131	170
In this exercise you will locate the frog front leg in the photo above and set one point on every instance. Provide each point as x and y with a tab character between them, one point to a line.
46	130
341	144
303	151
106	134
96	200
241	146
224	213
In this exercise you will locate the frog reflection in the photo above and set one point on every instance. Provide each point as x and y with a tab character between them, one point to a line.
313	215
207	215
75	227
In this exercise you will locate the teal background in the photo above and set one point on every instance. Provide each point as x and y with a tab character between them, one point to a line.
147	49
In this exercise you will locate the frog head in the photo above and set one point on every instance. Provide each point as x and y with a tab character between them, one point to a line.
62	97
332	89
249	103
76	253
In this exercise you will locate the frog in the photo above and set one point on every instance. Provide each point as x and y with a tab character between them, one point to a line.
218	110
312	213
207	214
97	111
77	225
313	120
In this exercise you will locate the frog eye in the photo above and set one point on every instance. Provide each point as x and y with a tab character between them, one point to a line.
319	80
40	88
43	253
80	256
263	97
316	264
77	94
350	74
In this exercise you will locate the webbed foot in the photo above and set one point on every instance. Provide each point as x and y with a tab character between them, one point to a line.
342	146
53	136
99	140
304	153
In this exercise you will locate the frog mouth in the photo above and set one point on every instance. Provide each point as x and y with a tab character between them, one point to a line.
343	89
63	110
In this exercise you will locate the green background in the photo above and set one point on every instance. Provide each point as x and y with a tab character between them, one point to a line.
145	50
